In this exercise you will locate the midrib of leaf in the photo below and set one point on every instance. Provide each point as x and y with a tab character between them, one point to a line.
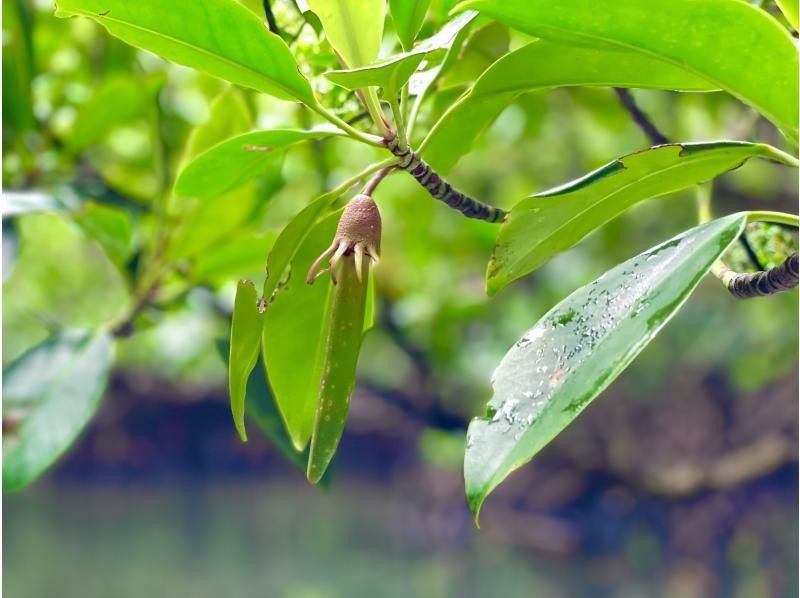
605	199
180	42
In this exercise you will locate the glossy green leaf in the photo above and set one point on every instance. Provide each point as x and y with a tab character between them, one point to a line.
341	344
246	325
49	395
557	65
408	17
226	165
353	27
553	221
393	72
579	347
294	325
110	227
219	37
732	44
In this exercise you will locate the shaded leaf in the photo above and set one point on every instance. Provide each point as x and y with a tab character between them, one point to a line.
553	221
49	395
110	227
557	65
220	37
733	45
239	257
245	342
579	347
228	164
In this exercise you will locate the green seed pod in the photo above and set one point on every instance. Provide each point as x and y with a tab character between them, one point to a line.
357	240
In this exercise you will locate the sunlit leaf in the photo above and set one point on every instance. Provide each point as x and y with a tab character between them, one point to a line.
353	27
557	65
49	395
408	17
552	221
734	45
790	11
245	342
391	73
220	37
579	347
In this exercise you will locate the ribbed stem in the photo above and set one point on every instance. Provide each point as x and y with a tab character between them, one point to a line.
759	284
441	189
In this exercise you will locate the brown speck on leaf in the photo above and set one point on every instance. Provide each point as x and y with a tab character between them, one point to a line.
104	13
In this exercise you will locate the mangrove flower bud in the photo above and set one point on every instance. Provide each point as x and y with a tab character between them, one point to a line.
358	235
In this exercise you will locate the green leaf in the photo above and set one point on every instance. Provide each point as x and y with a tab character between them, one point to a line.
239	257
219	37
579	347
408	17
353	27
52	390
110	227
733	45
789	10
245	342
132	98
556	66
392	73
293	334
225	166
341	344
553	221
18	69
228	116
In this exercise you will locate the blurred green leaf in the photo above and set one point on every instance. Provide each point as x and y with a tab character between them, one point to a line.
341	344
228	116
353	27
485	44
408	16
110	227
49	395
235	161
132	97
393	72
241	256
556	66
220	37
60	279
17	68
246	325
294	326
553	221
579	347
734	45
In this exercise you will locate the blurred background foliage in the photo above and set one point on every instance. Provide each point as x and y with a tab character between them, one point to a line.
683	476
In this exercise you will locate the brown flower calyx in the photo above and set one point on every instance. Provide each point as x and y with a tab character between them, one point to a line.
358	235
